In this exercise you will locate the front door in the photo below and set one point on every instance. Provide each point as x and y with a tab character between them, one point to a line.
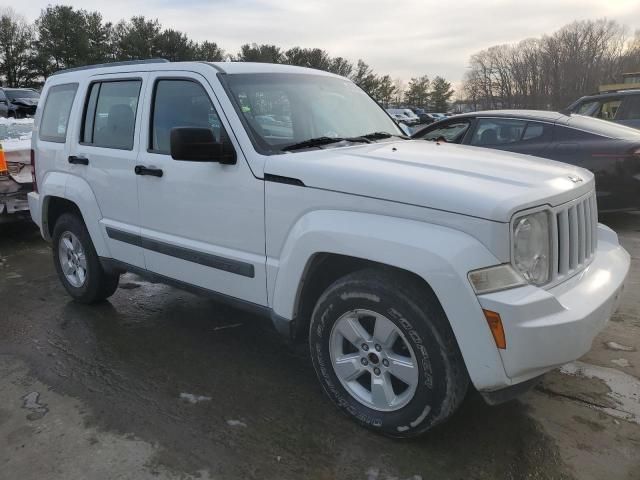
202	223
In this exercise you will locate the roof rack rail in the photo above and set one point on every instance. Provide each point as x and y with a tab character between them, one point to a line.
112	64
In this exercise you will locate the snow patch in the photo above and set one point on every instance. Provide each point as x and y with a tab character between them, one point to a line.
31	402
625	389
191	398
621	362
619	347
16	121
236	423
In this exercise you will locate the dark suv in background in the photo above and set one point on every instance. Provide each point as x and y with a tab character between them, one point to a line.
620	107
18	102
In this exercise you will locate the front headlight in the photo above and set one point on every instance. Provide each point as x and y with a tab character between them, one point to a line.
531	247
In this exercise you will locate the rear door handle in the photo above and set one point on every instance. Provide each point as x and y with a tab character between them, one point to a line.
142	170
78	160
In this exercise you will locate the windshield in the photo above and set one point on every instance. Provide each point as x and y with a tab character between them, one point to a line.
603	127
279	110
13	94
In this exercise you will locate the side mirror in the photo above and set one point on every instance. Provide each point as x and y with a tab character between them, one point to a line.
200	145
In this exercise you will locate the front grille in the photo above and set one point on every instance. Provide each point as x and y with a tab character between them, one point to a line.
574	235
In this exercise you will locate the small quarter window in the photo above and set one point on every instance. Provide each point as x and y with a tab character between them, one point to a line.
110	114
57	109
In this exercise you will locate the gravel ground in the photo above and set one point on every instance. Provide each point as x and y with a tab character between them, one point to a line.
158	383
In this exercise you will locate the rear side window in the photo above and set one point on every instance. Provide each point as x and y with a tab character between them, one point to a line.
630	109
55	116
498	131
180	103
110	114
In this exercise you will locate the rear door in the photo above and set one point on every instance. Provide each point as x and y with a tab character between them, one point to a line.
202	222
106	156
52	137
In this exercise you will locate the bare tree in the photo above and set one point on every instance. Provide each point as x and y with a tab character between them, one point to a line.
554	70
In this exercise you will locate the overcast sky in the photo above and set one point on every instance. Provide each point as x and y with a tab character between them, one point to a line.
404	38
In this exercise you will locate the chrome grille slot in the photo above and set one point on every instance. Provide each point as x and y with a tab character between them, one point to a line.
575	236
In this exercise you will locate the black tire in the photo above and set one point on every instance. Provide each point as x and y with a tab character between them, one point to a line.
414	309
98	284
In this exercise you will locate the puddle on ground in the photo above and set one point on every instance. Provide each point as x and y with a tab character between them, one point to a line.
625	389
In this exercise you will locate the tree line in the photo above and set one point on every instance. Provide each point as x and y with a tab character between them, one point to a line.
552	71
64	37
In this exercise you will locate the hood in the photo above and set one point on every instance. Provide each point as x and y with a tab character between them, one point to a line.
474	181
27	102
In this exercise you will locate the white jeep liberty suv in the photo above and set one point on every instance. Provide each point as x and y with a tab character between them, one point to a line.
412	268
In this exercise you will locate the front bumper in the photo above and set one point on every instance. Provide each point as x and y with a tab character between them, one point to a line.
548	328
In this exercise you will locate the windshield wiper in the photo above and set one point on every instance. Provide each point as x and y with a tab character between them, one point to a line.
320	141
382	135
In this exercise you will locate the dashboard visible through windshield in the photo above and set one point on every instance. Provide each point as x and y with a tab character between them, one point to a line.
280	110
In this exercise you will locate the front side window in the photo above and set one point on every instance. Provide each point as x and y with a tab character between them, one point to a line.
282	109
588	108
451	132
110	114
180	103
609	109
57	109
498	131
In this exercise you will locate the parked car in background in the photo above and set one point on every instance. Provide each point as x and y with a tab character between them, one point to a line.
621	106
18	102
422	114
610	151
415	119
402	115
16	171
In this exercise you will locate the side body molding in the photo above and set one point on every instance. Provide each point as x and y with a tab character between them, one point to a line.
440	255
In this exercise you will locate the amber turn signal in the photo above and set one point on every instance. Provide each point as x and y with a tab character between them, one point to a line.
495	325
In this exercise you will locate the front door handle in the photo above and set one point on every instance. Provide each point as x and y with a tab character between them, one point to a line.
142	170
78	160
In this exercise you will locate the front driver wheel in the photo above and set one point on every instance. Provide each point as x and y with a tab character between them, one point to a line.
385	353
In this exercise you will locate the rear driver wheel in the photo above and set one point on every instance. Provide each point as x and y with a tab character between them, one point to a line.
385	353
77	262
